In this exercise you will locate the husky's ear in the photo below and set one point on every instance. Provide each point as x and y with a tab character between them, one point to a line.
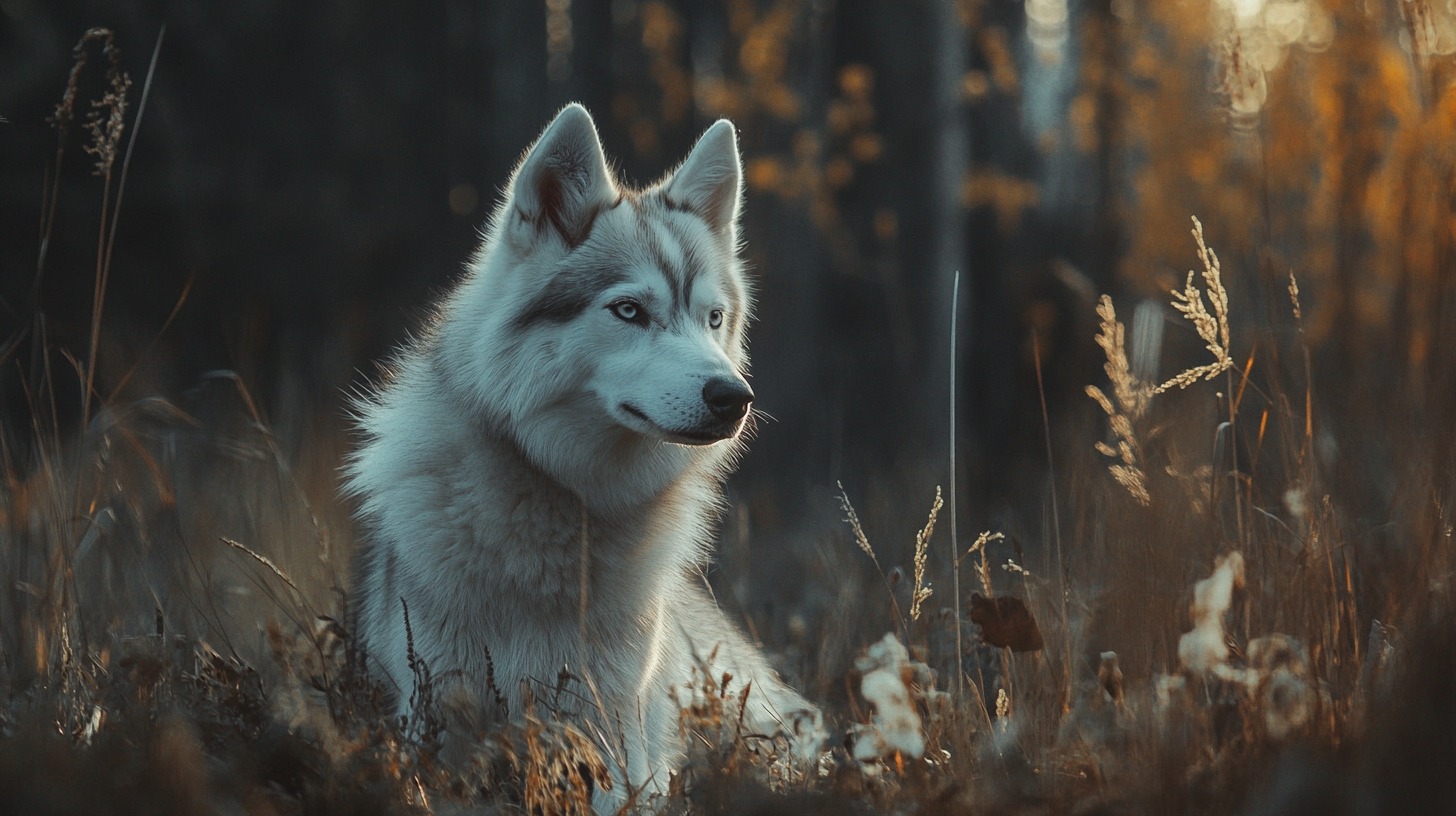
710	182
564	181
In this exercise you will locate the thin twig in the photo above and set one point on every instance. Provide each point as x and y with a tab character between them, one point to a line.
1046	427
265	561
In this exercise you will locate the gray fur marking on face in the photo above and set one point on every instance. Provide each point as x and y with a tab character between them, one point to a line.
568	294
681	276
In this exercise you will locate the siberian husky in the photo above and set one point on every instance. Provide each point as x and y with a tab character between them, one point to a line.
540	472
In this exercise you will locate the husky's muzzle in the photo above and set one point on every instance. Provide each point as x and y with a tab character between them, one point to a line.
726	400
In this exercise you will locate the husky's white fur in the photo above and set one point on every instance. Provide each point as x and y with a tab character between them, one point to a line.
540	475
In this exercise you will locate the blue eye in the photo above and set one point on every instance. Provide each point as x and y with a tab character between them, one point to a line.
630	311
715	319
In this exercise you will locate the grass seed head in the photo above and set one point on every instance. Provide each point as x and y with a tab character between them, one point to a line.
107	119
1294	300
853	518
1132	398
984	567
922	591
1132	394
1212	326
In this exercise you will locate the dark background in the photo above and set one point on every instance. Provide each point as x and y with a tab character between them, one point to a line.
311	176
317	173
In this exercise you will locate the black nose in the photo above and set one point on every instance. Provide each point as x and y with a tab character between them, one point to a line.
727	399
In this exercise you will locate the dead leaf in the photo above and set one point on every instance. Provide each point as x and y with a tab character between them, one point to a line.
1006	623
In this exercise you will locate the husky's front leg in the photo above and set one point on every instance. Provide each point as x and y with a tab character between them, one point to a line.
772	707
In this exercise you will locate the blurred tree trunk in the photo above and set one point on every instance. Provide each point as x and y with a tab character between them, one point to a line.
787	255
514	35
950	162
916	52
593	41
1104	44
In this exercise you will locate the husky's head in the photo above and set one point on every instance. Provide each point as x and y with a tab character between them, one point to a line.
603	327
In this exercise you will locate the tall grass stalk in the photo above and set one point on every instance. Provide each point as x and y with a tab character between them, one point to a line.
1061	583
105	136
955	564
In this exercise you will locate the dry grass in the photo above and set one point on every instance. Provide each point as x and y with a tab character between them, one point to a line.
922	591
135	669
1132	398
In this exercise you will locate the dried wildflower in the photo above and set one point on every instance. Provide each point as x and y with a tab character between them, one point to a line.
1203	649
896	726
1294	298
922	542
1282	689
1212	326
